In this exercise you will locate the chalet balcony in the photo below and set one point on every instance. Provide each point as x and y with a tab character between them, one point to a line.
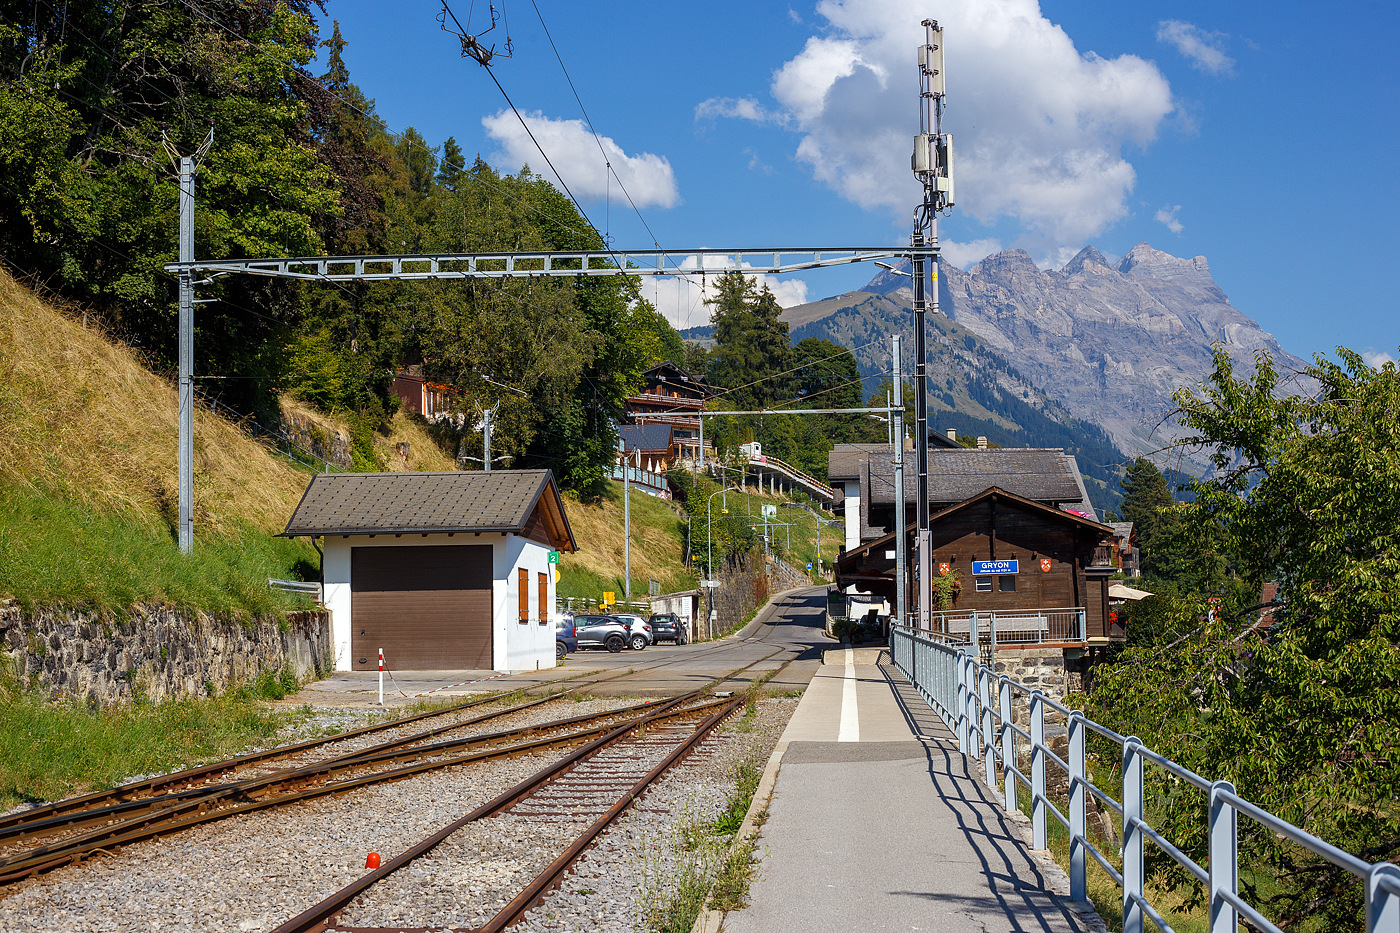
1017	628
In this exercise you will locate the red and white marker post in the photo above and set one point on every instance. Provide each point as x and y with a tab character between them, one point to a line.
381	676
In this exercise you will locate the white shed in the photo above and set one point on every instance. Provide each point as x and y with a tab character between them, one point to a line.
444	571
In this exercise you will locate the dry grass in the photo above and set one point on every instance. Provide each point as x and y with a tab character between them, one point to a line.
658	545
81	417
423	453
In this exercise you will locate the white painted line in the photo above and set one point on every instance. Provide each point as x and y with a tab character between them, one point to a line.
850	715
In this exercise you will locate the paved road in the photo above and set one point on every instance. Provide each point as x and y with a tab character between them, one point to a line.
788	629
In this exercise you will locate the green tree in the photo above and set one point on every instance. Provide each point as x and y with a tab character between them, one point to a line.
1302	716
752	354
1148	504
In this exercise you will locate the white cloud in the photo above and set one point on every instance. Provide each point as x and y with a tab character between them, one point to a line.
966	255
1376	358
1203	49
571	147
681	298
740	108
1040	127
1167	215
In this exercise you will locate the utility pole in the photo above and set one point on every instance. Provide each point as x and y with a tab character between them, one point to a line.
932	163
626	525
186	165
897	433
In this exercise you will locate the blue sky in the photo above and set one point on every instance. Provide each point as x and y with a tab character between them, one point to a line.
1262	136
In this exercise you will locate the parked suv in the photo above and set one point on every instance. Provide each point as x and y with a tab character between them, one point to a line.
639	628
667	626
594	631
564	640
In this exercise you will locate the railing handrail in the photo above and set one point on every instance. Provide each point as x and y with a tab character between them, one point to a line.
958	686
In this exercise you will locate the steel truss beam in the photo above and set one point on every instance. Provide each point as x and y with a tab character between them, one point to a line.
560	264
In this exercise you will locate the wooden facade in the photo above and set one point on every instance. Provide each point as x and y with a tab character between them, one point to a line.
1056	554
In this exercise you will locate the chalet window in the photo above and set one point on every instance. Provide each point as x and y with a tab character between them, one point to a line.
544	598
984	584
1006	584
523	585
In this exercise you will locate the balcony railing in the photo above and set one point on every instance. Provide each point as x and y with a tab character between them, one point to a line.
1018	627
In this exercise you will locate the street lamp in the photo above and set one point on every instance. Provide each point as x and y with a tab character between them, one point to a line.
709	521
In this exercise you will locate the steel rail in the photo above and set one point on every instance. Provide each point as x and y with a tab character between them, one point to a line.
396	750
321	916
49	858
547	879
205	771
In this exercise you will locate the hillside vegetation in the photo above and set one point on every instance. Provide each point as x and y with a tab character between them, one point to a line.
88	495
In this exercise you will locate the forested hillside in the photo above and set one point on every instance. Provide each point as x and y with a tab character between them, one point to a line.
94	98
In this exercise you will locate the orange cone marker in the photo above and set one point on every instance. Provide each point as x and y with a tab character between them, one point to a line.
372	861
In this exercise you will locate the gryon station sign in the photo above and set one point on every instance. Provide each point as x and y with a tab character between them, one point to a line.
984	567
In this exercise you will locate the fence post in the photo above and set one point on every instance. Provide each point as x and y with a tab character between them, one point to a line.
960	702
989	738
1008	742
1078	822
1382	906
1038	771
1132	835
1224	859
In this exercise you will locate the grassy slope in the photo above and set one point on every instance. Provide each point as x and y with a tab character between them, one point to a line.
658	542
88	492
423	453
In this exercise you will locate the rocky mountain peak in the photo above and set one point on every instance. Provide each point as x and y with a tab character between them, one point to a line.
1087	260
1144	261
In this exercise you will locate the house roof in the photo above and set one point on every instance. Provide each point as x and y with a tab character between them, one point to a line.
651	436
1122	530
1002	495
1042	474
844	460
680	375
432	503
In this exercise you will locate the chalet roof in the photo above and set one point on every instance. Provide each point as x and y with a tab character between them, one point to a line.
650	436
1122	530
431	503
670	370
844	460
1002	495
1045	475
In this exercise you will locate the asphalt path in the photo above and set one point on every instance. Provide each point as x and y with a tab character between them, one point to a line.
785	637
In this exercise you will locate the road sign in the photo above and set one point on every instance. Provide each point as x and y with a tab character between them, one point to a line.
985	567
554	557
609	597
809	565
709	583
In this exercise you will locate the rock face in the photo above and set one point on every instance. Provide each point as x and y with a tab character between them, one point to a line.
1110	342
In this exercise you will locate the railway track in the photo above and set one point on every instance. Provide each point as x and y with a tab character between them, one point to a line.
581	794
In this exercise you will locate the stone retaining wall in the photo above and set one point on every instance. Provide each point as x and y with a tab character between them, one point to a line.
1042	669
160	652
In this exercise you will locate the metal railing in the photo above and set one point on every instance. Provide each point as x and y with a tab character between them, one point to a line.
961	690
1019	627
296	586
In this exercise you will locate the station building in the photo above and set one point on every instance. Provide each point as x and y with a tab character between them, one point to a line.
444	571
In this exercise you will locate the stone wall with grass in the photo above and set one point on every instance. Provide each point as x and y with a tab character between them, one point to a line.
156	652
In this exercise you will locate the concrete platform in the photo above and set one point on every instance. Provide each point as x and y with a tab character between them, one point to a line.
876	822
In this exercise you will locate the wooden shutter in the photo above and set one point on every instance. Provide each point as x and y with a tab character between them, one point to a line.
544	598
523	585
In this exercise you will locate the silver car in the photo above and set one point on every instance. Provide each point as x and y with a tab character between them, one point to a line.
595	631
639	629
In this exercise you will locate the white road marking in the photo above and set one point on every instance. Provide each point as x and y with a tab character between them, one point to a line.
850	715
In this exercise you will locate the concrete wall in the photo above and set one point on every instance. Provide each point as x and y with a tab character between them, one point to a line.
516	647
160	652
852	515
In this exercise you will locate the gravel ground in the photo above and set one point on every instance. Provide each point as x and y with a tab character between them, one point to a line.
254	871
635	864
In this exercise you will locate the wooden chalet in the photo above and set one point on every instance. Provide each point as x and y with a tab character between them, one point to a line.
1036	573
674	397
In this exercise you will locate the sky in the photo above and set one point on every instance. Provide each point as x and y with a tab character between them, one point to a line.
1263	136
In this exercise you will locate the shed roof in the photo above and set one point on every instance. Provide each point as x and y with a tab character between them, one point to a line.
432	503
1044	474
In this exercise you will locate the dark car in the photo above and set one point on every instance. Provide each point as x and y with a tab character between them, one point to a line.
667	626
564	640
594	631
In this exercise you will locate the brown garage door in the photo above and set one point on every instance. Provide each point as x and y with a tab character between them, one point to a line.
429	608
